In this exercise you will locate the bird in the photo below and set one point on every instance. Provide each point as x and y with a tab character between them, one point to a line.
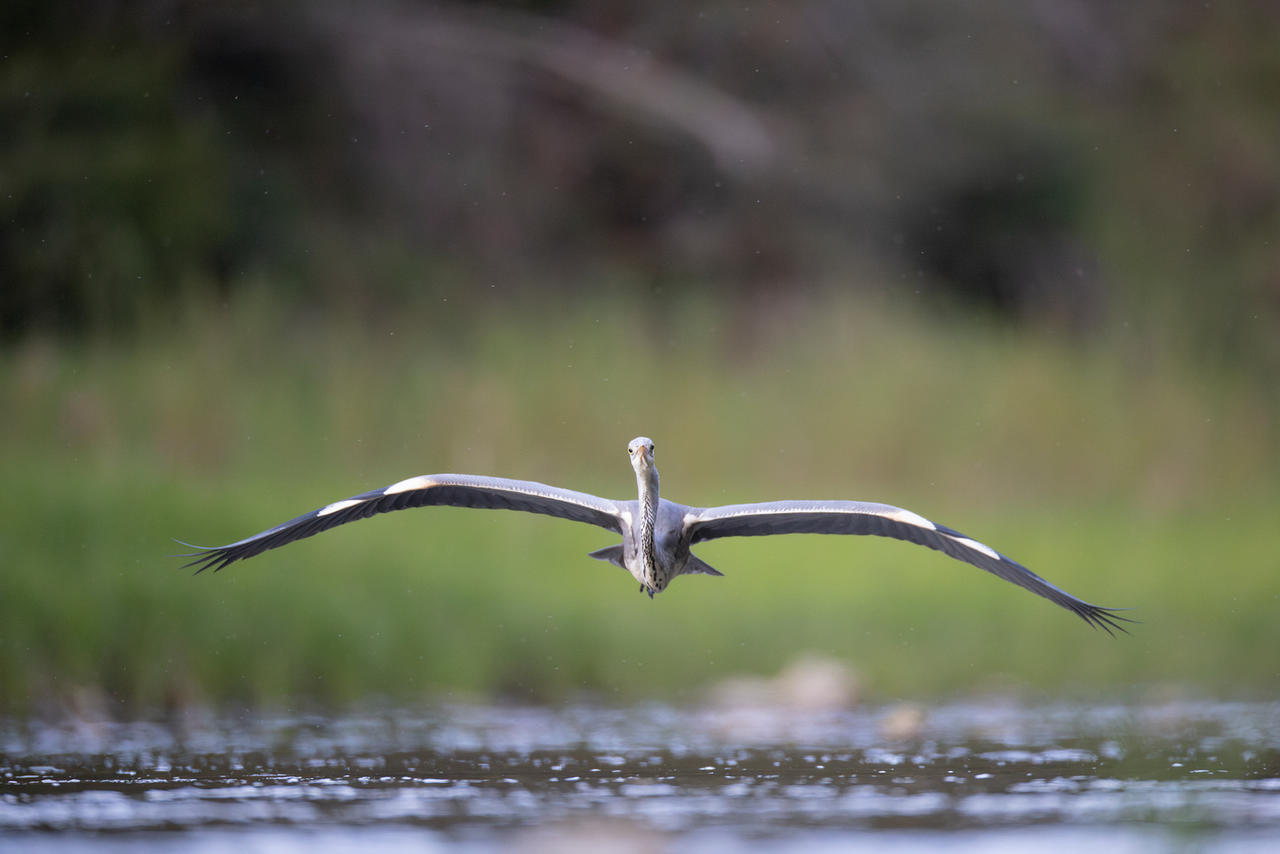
656	533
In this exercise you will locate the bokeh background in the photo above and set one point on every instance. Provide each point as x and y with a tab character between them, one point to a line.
1011	265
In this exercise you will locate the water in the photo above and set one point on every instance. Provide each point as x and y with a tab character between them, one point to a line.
973	776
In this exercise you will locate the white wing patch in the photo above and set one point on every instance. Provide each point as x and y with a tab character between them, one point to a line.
338	505
906	516
977	546
419	482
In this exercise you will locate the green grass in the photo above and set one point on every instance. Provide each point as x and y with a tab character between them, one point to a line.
1127	481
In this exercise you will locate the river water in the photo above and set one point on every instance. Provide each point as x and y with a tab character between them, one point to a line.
981	776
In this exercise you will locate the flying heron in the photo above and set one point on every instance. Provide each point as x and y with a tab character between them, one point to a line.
656	533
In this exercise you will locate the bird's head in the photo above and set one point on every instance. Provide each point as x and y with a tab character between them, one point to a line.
641	450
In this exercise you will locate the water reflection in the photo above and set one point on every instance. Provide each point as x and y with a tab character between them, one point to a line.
658	777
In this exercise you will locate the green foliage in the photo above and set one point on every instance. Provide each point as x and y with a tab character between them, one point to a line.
113	189
1122	173
514	267
1148	484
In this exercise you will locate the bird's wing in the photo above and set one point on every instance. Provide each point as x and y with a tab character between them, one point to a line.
455	490
864	517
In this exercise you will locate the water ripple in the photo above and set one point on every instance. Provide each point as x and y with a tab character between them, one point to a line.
483	775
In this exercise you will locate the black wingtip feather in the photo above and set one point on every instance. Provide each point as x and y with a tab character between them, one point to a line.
1104	618
202	555
205	557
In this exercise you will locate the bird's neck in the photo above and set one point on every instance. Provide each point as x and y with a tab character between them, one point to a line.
647	482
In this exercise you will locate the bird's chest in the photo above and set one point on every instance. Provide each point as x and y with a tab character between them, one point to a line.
653	553
658	553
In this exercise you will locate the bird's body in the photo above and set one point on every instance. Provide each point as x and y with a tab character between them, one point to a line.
657	534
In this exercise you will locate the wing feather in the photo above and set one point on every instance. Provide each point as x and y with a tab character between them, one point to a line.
884	520
454	490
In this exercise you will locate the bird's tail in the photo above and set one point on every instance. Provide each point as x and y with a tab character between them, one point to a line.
695	565
611	554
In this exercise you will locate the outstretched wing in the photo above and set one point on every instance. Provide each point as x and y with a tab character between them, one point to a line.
454	490
884	520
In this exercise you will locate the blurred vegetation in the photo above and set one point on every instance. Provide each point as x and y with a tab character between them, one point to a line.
1012	267
1078	166
1125	483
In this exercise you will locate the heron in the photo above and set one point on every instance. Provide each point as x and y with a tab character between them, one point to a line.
656	533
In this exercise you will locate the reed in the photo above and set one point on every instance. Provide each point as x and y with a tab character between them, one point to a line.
1129	482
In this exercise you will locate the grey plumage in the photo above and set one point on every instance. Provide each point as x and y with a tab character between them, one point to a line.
656	533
